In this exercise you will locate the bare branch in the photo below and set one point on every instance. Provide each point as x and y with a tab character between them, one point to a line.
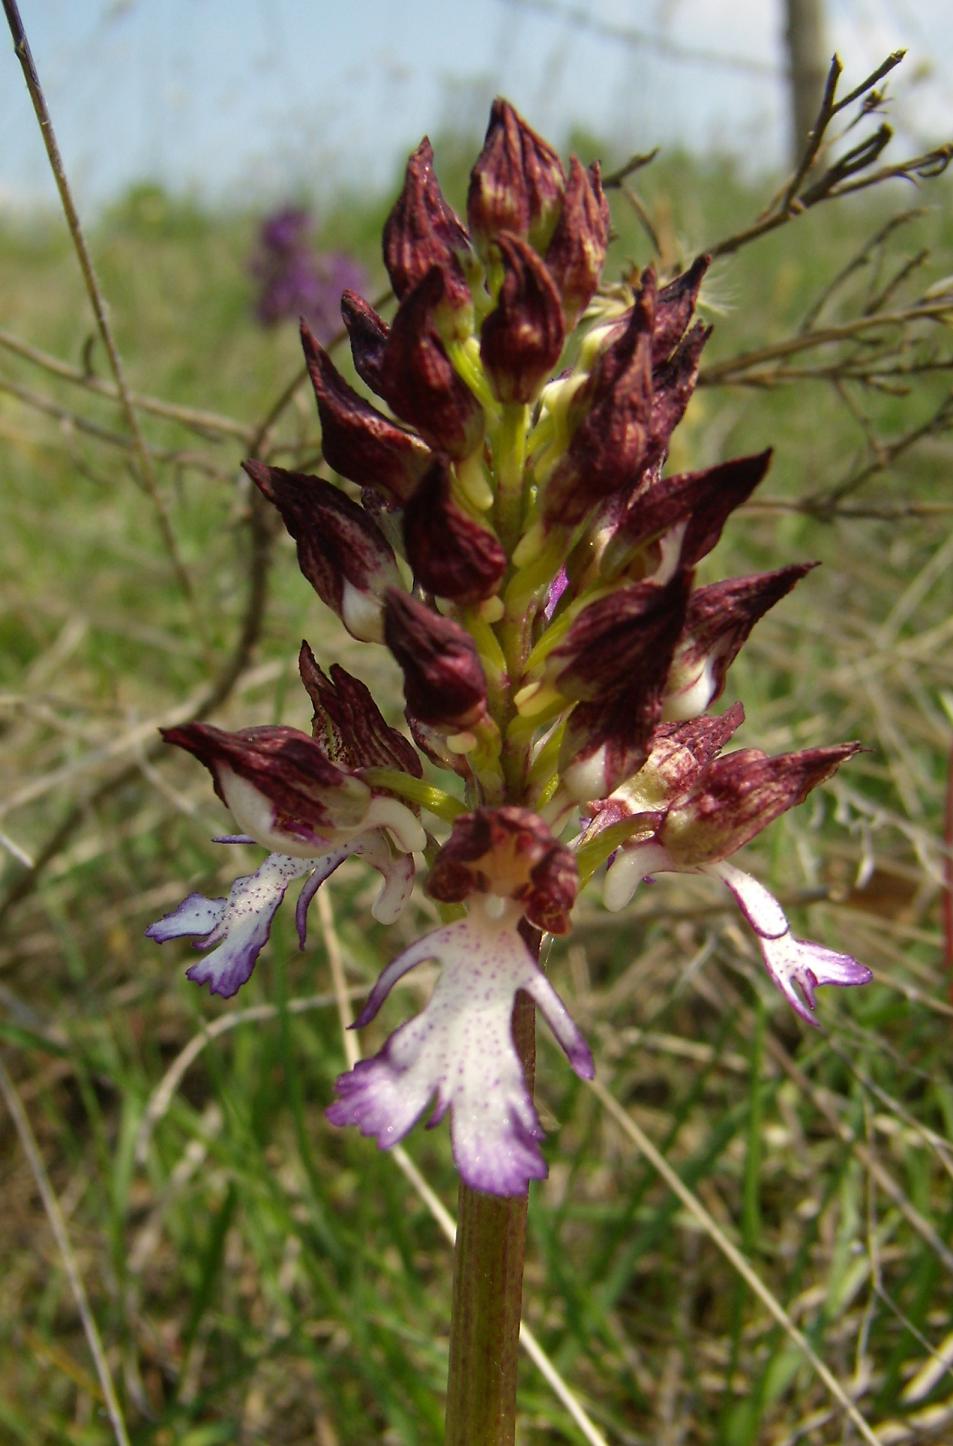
633	164
861	258
816	136
884	68
206	424
848	172
76	422
728	372
886	453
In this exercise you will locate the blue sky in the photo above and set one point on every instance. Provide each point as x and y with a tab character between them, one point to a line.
265	96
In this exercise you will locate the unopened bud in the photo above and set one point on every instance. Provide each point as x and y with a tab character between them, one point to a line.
740	795
522	338
516	184
452	555
717	624
577	251
444	683
341	550
357	440
422	231
417	377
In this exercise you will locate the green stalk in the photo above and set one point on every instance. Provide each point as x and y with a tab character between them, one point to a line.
508	443
488	1290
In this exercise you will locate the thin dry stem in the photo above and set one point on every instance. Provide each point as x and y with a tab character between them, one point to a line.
713	1230
848	172
75	421
729	371
60	1234
98	303
206	424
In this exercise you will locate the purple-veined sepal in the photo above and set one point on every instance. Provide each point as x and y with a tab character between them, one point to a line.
341	550
718	621
459	1052
517	183
283	790
444	681
423	231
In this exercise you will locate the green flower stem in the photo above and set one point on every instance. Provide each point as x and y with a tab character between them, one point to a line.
509	458
488	1292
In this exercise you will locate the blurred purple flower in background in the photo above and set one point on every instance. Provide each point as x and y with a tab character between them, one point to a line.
296	280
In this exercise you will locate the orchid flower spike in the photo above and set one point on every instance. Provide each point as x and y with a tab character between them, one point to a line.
499	520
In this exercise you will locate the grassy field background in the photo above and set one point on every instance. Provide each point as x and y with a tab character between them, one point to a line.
258	1277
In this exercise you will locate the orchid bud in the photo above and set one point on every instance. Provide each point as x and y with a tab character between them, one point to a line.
357	440
697	503
522	337
368	334
674	308
679	755
576	253
610	444
631	632
341	550
417	378
444	683
672	386
608	736
278	785
511	853
452	555
422	231
517	183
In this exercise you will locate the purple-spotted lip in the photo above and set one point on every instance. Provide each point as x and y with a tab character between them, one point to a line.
459	1054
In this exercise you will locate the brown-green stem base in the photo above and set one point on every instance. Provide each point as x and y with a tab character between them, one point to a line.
488	1294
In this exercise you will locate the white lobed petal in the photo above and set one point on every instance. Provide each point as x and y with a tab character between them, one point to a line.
236	929
400	821
323	869
632	864
196	915
459	1052
397	871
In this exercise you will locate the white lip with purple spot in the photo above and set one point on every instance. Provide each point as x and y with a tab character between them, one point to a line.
459	1052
